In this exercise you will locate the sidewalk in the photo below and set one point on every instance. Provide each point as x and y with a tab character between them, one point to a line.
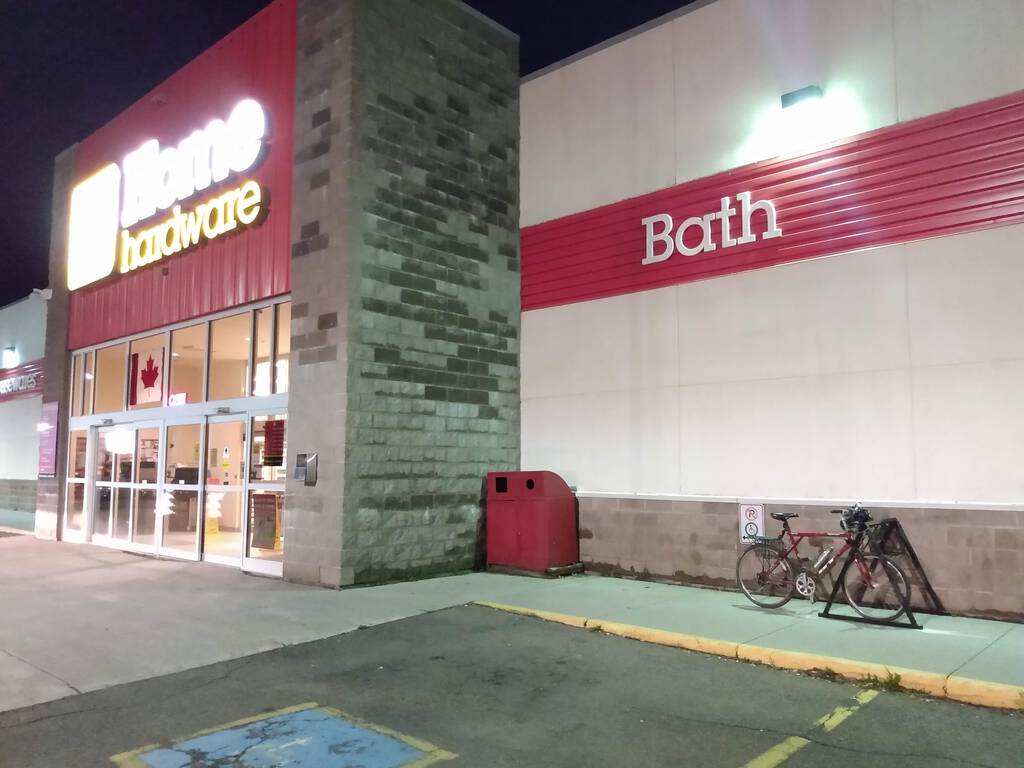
969	660
76	618
18	522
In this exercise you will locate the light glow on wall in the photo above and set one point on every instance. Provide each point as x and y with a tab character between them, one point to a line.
810	123
10	358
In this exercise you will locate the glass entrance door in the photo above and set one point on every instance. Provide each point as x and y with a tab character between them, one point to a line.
268	470
181	494
190	487
224	489
126	484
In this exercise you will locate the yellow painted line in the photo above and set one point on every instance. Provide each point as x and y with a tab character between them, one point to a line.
982	693
779	753
433	754
834	719
790	746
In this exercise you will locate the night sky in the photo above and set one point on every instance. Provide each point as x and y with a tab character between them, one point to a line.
69	67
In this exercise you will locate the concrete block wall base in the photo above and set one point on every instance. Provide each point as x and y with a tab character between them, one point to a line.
18	495
973	558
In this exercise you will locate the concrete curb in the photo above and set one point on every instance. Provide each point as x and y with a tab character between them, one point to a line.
962	689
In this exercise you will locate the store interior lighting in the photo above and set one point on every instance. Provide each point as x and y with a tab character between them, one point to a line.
9	359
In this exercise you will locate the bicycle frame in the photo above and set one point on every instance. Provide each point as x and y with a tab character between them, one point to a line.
796	537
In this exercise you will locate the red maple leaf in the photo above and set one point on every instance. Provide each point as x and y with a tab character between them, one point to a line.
149	374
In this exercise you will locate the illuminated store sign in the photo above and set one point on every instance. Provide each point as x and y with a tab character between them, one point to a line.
24	381
151	180
673	241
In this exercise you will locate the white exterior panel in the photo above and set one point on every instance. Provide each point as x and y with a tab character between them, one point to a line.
894	373
700	93
19	438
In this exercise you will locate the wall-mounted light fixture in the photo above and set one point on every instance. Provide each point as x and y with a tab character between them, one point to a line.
802	120
9	358
801	94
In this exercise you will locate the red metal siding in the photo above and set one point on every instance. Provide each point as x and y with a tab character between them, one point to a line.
257	60
947	173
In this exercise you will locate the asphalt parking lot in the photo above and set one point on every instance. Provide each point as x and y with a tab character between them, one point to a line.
485	688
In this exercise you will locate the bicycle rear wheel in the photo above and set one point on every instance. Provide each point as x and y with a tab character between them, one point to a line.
765	576
880	596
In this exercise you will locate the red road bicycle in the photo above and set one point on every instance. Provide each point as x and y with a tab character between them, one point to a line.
769	573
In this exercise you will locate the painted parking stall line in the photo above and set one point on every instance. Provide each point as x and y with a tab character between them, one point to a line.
786	748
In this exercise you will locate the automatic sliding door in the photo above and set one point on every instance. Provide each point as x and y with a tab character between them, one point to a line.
223	492
114	468
268	469
144	499
178	506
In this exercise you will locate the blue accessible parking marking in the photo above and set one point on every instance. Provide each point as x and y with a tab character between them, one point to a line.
297	737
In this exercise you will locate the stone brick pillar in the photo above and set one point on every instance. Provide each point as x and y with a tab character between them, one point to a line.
50	490
405	278
321	262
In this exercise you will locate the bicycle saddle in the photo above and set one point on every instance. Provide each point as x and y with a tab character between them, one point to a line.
784	515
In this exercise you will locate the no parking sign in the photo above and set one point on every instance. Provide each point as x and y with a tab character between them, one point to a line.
751	521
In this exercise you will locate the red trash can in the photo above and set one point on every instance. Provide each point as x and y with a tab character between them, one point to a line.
531	523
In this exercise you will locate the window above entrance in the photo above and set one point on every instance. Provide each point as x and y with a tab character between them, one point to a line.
244	354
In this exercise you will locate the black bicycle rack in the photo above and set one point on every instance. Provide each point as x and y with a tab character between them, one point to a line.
887	539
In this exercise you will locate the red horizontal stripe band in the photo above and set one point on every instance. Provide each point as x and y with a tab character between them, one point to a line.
953	172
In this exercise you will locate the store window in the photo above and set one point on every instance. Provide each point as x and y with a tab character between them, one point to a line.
266	527
183	452
77	453
269	460
77	383
110	378
90	376
263	352
146	373
77	445
284	345
188	357
229	356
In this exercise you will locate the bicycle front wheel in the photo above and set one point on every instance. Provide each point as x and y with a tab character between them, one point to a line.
875	588
765	576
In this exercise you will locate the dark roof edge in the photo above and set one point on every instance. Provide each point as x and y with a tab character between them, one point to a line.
485	18
670	16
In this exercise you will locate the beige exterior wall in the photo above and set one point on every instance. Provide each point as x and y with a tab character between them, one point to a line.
693	96
22	326
888	375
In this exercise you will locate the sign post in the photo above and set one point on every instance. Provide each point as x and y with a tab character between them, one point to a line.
751	522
